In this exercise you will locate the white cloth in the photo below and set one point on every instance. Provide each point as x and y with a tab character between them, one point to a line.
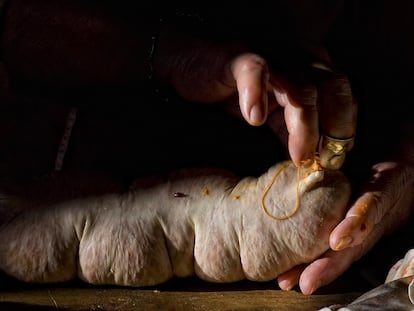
391	296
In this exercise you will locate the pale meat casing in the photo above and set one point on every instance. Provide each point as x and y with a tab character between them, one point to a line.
207	223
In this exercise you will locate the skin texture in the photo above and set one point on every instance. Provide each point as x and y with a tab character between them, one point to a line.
383	205
259	94
204	222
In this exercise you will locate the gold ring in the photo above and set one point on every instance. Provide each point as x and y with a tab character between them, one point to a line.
332	151
337	146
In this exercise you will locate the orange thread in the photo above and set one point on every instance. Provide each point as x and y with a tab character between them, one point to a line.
314	167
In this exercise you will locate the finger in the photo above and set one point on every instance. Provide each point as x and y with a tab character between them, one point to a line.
392	186
251	74
301	117
334	263
338	118
327	268
338	107
276	122
358	223
387	197
290	278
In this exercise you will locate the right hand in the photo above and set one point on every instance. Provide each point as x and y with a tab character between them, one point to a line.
298	113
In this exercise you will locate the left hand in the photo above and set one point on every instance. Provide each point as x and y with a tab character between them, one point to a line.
385	202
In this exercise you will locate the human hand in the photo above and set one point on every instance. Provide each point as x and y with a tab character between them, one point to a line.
320	115
296	109
385	202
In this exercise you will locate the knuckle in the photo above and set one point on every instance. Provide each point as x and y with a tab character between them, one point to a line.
251	61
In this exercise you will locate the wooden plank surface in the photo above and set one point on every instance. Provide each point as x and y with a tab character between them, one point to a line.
188	294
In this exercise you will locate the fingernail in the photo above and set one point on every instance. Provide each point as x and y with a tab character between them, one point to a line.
343	243
286	285
256	115
311	289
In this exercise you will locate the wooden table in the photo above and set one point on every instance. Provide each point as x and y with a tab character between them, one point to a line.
187	294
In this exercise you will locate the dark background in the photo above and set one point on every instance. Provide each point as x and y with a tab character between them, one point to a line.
126	127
